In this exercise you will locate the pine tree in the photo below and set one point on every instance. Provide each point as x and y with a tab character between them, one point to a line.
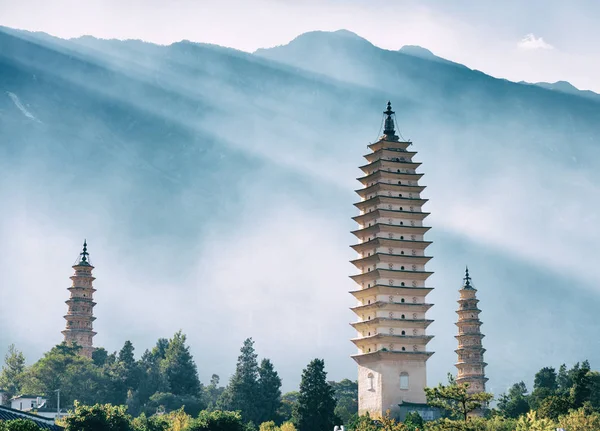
179	368
269	391
241	393
126	354
12	370
316	403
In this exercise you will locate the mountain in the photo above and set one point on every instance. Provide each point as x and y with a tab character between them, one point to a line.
566	87
215	189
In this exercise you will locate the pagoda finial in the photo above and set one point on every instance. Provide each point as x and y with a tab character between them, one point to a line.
84	254
467	279
389	129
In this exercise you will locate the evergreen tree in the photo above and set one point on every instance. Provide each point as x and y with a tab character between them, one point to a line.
269	392
179	368
126	354
100	356
456	400
241	393
515	403
316	402
12	371
213	392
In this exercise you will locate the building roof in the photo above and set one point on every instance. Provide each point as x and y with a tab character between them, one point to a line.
8	414
16	397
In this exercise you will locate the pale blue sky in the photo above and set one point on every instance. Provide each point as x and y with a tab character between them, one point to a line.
519	40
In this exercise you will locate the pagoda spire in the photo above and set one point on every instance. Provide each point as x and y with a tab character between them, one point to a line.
389	130
80	316
391	309
467	280
470	364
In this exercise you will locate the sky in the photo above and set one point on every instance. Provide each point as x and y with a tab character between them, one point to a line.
531	40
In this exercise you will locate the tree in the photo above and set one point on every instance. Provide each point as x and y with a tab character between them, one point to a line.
269	392
240	394
216	421
288	402
152	423
62	368
546	378
126	354
580	420
581	390
100	356
515	403
362	423
287	426
268	426
530	422
179	368
168	402
213	392
316	403
99	417
554	406
413	421
456	399
19	425
12	371
346	394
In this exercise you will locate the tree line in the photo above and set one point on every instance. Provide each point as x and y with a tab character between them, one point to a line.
162	392
165	380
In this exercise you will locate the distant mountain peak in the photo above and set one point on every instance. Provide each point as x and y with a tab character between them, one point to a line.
565	87
418	51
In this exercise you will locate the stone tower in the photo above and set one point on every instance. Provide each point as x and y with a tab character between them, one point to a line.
392	325
470	365
80	316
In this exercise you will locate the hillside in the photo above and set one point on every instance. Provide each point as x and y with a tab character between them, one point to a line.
215	190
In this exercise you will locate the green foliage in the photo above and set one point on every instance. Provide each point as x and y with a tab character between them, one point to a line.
100	356
268	426
62	368
554	406
531	422
179	368
269	392
12	371
167	402
99	417
19	425
213	392
241	393
580	420
362	423
152	423
216	421
515	403
413	421
315	410
289	400
456	400
287	426
346	394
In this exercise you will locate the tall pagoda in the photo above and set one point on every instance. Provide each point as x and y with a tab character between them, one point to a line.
392	324
80	316
470	365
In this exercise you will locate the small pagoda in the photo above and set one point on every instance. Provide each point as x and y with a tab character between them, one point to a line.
470	365
391	326
80	315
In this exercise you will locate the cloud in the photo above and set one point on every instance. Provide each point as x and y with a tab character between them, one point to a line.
530	42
